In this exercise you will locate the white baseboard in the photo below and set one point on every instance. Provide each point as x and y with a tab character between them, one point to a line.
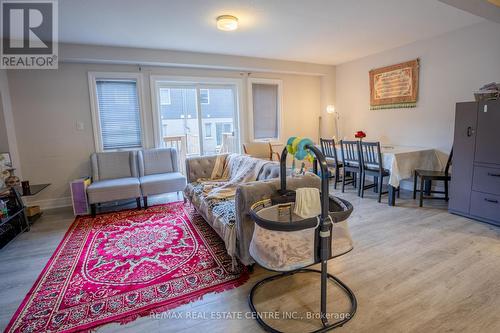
50	203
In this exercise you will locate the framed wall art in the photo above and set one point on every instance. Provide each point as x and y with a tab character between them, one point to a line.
395	86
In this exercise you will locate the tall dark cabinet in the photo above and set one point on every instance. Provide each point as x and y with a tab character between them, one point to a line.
475	181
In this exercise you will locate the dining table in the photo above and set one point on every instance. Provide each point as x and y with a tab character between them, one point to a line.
402	161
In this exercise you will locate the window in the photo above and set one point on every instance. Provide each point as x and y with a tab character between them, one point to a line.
165	96
265	107
220	129
204	96
116	112
208	130
197	105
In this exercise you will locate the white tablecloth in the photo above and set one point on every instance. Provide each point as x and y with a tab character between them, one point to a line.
401	161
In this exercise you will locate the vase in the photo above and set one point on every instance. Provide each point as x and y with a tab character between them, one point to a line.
12	180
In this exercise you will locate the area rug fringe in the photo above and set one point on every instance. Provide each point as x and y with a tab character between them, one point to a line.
164	308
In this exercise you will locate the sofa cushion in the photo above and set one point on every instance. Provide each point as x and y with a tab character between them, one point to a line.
113	165
114	189
156	161
162	183
219	214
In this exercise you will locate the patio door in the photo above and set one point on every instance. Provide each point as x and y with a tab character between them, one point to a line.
197	119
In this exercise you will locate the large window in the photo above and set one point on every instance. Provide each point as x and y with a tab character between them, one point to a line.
116	111
202	117
265	109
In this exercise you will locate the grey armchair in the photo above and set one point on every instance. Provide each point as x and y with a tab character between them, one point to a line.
114	177
159	172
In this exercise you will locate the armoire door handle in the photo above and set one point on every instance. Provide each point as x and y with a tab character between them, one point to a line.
491	200
493	174
470	131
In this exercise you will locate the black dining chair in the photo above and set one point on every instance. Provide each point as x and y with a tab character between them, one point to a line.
328	149
427	176
371	165
351	161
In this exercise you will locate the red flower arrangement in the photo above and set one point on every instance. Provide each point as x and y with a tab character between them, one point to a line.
360	134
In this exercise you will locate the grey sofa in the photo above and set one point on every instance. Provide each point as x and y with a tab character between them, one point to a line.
159	172
238	209
133	174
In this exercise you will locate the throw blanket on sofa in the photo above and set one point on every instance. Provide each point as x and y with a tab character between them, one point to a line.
237	169
219	191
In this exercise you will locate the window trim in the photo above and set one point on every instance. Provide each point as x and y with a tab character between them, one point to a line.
94	105
251	134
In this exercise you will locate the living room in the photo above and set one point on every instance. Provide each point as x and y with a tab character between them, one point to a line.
145	151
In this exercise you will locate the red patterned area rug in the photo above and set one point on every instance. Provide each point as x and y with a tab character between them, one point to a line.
120	266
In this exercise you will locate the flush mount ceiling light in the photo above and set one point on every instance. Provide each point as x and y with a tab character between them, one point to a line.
227	23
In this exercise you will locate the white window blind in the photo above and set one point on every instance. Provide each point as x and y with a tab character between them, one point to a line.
119	114
265	111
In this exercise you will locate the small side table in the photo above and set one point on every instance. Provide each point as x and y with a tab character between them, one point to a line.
16	222
33	190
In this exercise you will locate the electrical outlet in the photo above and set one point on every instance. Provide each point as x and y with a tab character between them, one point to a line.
80	126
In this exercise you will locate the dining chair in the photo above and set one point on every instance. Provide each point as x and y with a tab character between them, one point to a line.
330	152
427	176
371	165
351	162
262	150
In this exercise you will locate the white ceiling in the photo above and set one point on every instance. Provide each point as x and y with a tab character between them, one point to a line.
316	31
489	9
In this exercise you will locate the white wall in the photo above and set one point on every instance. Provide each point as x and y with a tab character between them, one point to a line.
4	141
151	57
8	127
452	66
327	98
48	103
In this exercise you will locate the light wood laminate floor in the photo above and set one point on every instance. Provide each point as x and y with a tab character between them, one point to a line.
412	270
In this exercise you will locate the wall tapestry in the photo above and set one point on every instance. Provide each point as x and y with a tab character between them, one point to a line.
394	87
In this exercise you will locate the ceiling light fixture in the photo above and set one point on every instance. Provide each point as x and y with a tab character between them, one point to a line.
227	23
495	2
